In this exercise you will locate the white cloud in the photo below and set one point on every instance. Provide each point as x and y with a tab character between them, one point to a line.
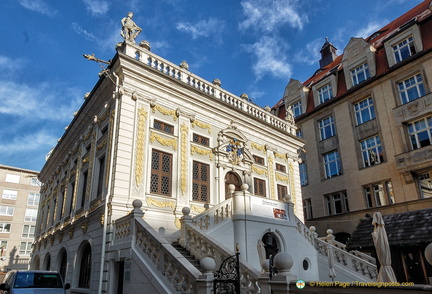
271	57
82	32
370	28
97	7
38	6
41	140
268	15
311	53
10	67
204	28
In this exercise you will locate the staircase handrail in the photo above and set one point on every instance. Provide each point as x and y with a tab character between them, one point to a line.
200	246
213	215
347	260
166	259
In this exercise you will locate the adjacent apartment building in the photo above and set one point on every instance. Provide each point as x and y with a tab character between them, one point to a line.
366	118
19	189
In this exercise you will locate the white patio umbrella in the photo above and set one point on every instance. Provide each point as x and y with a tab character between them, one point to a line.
379	236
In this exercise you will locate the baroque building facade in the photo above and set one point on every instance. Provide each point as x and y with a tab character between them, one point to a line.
19	203
366	119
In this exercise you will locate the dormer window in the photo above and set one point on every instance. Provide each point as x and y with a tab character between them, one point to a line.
325	93
360	74
404	49
296	108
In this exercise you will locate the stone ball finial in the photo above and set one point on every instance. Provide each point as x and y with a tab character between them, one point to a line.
266	265
217	82
184	65
145	44
231	188
185	210
329	232
428	253
244	96
312	229
244	187
207	264
287	197
283	261
267	108
137	204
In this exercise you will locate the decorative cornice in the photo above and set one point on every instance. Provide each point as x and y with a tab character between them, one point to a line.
201	151
163	141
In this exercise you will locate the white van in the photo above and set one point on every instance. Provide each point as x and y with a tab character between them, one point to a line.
33	282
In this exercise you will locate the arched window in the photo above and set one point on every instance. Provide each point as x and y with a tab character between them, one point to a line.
47	262
232	178
63	265
85	267
270	245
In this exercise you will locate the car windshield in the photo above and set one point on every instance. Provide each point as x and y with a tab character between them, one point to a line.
37	280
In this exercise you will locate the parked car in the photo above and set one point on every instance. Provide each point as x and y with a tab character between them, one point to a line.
33	282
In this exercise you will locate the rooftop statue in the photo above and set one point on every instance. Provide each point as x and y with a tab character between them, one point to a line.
129	28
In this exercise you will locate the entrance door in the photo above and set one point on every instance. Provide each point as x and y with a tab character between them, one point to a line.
231	178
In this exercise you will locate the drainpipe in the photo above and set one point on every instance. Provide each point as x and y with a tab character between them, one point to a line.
105	225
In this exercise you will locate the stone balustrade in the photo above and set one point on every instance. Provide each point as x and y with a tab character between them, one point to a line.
182	74
213	216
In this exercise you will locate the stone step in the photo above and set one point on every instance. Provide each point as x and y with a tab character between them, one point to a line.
187	255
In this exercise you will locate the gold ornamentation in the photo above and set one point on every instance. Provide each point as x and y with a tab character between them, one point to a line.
202	151
60	236
161	204
163	141
102	117
282	178
201	125
293	193
272	177
258	147
197	209
102	219
165	111
142	119
183	169
71	232
280	155
177	223
259	171
84	226
102	144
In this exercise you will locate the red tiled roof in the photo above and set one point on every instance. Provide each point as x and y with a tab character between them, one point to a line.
418	14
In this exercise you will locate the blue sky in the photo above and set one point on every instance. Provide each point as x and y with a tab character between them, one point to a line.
252	46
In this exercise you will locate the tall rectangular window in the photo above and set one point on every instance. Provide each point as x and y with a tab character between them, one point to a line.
282	191
10	194
10	178
303	174
336	203
259	187
326	128
360	74
101	176
379	194
201	182
28	231
25	248
307	208
371	151
30	215
332	165
425	185
6	210
164	127
84	188
5	228
420	133
404	49
296	108
364	111
411	89
161	173
325	93
33	199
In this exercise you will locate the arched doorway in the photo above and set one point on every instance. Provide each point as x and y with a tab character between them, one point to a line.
63	264
232	178
47	262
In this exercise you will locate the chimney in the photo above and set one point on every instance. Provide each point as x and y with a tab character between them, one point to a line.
328	53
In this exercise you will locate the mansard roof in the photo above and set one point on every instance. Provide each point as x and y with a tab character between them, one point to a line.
416	15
